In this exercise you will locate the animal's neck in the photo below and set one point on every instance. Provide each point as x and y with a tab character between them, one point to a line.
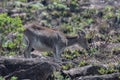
71	40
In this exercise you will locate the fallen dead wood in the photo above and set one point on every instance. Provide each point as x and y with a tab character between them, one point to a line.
26	68
90	72
113	76
83	71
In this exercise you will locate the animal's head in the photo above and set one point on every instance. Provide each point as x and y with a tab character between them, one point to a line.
82	41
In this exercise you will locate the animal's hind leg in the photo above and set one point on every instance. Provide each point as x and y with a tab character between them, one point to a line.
27	51
28	48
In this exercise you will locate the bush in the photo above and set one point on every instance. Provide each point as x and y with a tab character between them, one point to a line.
10	34
13	78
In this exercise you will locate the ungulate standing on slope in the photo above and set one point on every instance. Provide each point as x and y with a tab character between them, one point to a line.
45	39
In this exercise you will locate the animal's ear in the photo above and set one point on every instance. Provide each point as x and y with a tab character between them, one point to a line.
81	33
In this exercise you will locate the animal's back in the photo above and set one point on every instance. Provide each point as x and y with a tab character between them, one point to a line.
42	38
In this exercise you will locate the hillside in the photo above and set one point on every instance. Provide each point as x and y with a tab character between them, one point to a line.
99	19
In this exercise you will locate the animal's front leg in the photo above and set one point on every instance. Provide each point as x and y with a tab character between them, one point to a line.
57	55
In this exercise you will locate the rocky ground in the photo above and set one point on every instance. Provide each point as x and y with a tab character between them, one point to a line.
101	21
